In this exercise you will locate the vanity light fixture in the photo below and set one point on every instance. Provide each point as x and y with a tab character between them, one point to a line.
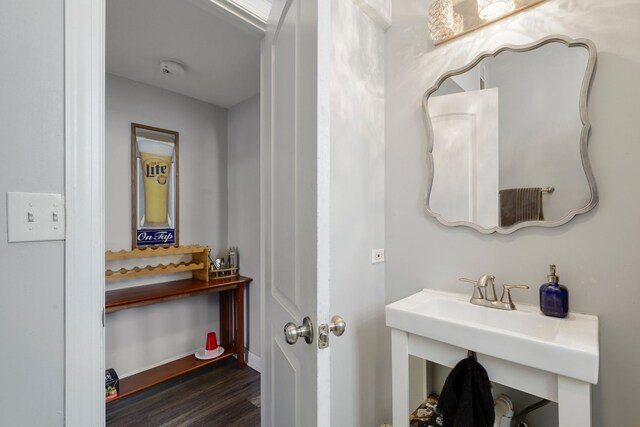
449	19
493	9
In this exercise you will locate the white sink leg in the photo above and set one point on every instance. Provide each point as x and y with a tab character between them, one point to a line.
400	377
574	402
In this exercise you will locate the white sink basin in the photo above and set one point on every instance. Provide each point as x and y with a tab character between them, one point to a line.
566	346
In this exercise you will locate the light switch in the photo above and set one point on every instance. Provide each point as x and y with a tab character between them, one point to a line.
33	217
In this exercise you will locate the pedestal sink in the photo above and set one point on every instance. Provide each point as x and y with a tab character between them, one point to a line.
553	358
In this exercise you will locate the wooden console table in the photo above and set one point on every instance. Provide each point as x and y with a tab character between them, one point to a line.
231	323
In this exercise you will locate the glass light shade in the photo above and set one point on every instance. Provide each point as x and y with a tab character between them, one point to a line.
458	23
492	9
441	20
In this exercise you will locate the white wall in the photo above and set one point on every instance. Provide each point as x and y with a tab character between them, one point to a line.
243	172
32	152
140	337
596	253
357	215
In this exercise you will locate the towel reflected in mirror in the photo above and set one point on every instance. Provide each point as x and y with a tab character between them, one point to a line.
520	205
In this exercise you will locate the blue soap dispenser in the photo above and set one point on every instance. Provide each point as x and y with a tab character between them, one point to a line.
554	298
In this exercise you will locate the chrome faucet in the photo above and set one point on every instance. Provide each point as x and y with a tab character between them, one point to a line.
484	293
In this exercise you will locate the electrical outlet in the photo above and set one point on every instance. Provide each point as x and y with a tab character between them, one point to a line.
377	255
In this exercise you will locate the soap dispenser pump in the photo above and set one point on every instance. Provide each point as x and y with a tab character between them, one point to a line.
554	297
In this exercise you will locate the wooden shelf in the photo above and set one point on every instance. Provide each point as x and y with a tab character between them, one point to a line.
199	264
231	323
154	252
153	376
138	296
149	270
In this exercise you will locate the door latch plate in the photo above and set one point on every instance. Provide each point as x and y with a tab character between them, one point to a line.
323	336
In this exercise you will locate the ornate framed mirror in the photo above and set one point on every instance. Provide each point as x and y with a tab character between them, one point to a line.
507	138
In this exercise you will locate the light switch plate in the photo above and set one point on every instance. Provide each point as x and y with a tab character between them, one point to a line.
33	217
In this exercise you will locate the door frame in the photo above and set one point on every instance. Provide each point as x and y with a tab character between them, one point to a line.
84	112
84	74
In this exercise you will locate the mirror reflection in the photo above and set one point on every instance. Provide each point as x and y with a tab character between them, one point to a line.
508	135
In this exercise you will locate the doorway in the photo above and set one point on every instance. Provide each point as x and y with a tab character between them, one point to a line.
356	171
193	70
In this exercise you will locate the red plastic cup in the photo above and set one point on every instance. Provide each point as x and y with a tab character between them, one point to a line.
212	341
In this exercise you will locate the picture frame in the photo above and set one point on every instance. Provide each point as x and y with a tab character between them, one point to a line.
154	186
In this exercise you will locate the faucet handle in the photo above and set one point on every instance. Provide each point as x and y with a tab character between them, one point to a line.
477	292
506	294
482	282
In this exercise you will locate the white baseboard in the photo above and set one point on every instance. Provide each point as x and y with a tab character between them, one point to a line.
254	362
162	362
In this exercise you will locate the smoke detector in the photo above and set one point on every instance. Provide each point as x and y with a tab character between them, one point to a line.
172	67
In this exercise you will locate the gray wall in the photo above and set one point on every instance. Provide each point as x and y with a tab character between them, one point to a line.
139	338
243	171
543	132
32	152
357	215
596	253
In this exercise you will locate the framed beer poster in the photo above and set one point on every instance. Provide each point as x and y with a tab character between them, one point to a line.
154	186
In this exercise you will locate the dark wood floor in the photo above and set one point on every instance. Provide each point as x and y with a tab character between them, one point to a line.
217	395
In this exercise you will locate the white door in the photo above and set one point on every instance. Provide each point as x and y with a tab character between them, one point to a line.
295	211
465	152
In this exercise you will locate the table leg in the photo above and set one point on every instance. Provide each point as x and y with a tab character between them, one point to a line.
574	402
400	378
225	327
239	323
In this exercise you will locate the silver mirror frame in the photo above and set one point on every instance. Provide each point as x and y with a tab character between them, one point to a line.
584	135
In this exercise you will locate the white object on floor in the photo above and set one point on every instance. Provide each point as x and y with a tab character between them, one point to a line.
203	354
504	411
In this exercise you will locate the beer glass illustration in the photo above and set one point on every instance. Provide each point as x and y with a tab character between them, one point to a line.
155	161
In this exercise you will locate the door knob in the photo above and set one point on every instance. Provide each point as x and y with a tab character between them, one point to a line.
337	325
293	332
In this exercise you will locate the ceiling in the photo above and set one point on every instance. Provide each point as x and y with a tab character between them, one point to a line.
222	59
